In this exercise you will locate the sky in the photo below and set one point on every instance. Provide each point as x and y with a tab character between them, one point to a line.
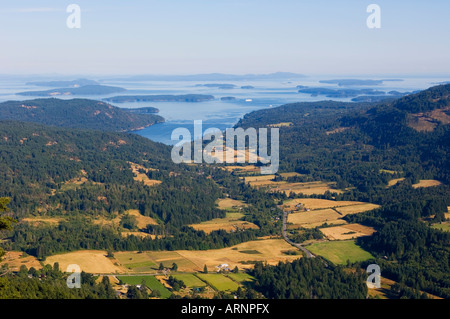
225	36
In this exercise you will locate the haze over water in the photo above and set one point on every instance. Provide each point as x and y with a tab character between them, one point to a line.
216	113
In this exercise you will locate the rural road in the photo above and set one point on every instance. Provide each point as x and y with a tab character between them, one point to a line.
307	252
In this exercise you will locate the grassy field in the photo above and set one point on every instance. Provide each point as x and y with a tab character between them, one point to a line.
219	282
150	281
15	259
354	209
317	203
338	252
394	181
241	277
190	280
314	216
232	222
445	226
348	231
270	251
227	203
427	183
141	177
90	261
241	255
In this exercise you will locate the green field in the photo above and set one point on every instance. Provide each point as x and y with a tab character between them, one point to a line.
338	252
219	282
241	277
444	226
150	281
190	280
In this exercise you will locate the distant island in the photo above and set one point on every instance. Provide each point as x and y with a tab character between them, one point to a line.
218	85
228	98
82	90
64	84
160	98
350	82
340	93
143	110
76	113
212	77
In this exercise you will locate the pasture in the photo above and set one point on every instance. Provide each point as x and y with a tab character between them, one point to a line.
348	231
219	282
338	252
150	281
232	222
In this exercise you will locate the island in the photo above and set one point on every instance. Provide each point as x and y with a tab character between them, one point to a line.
160	98
350	82
143	110
228	98
340	93
82	90
64	84
218	85
76	113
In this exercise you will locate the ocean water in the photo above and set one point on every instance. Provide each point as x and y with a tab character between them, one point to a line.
215	113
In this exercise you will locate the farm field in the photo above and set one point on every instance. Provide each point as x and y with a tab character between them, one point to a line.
315	216
348	231
242	255
445	226
307	188
241	277
229	203
232	222
150	281
338	252
219	282
395	181
190	280
354	209
314	212
317	203
15	259
427	183
90	261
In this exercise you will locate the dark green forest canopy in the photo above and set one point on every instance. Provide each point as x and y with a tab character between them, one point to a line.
351	142
39	165
76	113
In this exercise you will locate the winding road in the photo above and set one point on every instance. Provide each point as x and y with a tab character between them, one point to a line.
299	246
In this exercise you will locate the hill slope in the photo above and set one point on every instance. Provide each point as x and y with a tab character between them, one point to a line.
76	113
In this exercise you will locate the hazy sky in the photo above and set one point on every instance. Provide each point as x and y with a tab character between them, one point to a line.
226	36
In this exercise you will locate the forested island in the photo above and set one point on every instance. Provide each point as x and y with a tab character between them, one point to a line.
160	98
64	83
82	90
76	113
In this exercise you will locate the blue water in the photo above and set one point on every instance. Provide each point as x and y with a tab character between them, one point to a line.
216	113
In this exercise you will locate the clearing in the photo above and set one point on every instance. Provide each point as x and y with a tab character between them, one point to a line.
427	183
15	259
232	222
90	261
338	252
142	177
219	282
348	231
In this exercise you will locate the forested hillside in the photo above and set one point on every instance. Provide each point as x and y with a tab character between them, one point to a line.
76	113
82	178
364	147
